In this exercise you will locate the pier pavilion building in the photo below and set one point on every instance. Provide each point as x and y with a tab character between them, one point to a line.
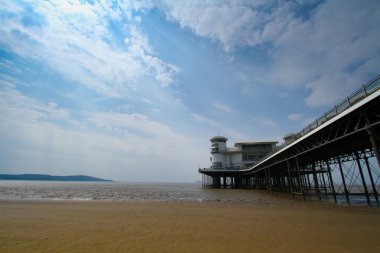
241	156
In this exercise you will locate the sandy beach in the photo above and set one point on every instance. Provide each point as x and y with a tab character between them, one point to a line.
129	226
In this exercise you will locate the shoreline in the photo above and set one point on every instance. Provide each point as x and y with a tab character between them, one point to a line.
150	226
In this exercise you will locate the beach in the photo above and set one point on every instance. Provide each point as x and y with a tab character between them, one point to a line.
170	226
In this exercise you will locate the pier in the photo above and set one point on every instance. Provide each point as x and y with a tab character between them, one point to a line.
335	157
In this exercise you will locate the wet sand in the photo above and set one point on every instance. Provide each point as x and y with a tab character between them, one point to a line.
111	226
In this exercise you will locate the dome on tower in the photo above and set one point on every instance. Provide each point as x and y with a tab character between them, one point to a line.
218	139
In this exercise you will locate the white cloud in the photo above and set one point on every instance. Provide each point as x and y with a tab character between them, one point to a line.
330	50
247	84
331	53
74	39
8	81
222	107
259	122
232	23
219	127
140	48
294	116
40	137
266	121
283	94
178	103
15	108
203	119
9	66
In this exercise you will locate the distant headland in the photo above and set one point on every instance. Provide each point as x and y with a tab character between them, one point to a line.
42	177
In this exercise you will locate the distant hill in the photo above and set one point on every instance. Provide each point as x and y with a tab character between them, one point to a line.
49	177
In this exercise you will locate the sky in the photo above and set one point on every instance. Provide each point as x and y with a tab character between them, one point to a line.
134	90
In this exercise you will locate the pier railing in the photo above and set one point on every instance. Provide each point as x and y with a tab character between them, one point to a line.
366	90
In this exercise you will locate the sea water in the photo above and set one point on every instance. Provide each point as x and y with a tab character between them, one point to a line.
120	191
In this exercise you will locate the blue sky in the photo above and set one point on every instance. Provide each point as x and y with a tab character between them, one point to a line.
133	90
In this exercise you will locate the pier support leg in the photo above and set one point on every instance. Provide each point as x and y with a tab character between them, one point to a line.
308	182
299	179
270	181
323	178
290	180
237	182
316	184
266	180
216	182
344	181
362	177
375	145
371	179
257	181
331	181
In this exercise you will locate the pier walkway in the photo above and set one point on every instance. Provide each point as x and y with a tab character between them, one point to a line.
335	157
